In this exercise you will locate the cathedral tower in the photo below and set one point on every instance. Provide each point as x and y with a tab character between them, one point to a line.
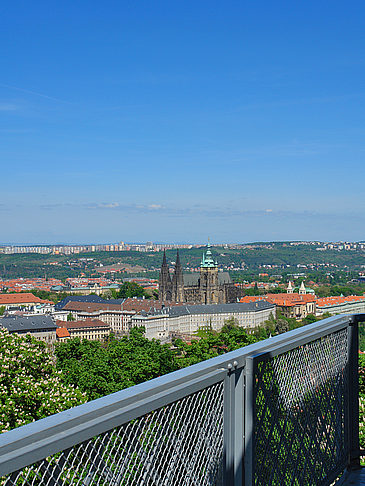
209	288
165	287
178	281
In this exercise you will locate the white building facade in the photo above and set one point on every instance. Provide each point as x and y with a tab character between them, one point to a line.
188	319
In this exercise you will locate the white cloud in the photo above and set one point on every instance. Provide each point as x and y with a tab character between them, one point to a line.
155	206
108	205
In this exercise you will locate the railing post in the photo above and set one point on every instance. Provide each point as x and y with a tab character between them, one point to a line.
249	408
353	386
233	426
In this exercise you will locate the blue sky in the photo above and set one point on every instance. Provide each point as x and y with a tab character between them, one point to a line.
175	121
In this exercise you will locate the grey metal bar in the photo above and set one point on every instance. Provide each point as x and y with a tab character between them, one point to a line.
353	385
228	429
233	427
249	422
239	384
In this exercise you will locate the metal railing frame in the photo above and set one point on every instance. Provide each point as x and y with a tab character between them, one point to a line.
31	443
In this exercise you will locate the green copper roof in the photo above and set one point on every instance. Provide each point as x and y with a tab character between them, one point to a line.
207	261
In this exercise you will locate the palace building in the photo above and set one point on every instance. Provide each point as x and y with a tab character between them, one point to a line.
208	287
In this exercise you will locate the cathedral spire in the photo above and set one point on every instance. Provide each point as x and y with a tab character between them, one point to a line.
164	281
177	259
178	281
164	262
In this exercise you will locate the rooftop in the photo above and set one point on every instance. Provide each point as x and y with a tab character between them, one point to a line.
26	298
31	323
213	308
85	324
337	300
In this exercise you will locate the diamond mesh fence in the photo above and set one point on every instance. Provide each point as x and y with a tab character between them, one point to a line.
179	444
300	422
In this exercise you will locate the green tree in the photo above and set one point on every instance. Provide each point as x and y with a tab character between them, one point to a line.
131	289
102	368
309	319
211	343
282	325
2	310
362	398
30	386
70	317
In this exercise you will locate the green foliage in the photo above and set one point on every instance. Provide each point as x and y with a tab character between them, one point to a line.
254	291
309	319
254	257
48	295
362	375
282	325
362	398
30	386
362	337
2	310
130	289
70	317
212	344
346	290
102	368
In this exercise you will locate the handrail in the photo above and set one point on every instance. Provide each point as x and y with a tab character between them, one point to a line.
32	442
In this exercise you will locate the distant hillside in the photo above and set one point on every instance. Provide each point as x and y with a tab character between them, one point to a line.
282	256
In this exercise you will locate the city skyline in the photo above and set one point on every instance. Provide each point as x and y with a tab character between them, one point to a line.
178	121
161	246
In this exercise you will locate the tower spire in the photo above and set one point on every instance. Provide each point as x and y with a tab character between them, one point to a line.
164	262
164	288
208	261
178	281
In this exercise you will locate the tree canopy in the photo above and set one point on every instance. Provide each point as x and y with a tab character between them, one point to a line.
102	368
130	289
30	386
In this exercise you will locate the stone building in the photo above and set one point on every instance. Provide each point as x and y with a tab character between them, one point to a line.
293	305
91	329
187	319
40	327
208	287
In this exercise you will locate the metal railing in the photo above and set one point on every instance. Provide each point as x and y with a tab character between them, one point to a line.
277	412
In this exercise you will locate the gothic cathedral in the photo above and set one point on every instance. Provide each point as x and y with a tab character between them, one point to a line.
208	287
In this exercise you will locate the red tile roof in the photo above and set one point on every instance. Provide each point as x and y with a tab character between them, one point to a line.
87	323
337	300
90	306
62	332
285	300
26	298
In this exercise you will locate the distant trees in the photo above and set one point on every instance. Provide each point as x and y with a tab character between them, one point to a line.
102	368
30	386
212	343
49	295
362	398
310	319
362	337
282	325
253	291
130	289
349	289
